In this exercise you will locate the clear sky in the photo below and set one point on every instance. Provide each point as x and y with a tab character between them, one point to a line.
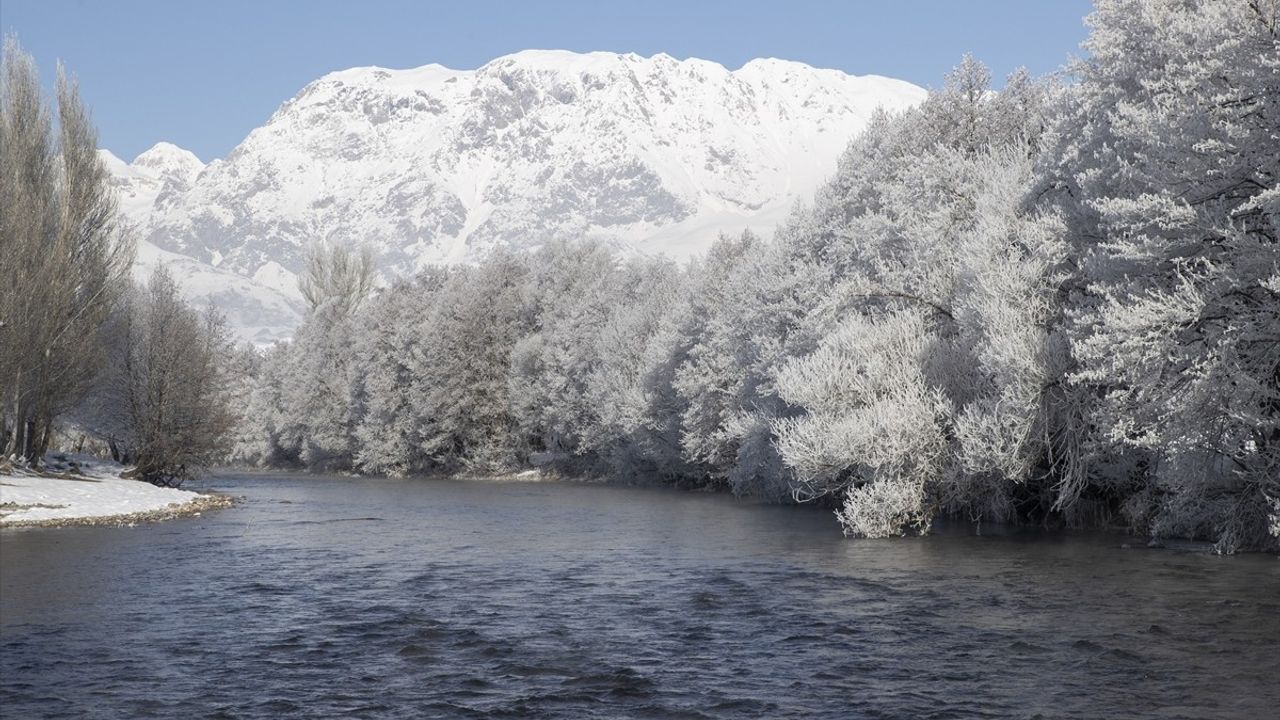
203	74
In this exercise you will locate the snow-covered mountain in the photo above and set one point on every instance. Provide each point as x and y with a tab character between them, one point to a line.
259	308
436	165
154	180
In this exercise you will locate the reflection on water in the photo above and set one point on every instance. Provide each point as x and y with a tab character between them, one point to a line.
385	598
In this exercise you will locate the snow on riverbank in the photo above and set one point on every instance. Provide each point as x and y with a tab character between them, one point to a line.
82	490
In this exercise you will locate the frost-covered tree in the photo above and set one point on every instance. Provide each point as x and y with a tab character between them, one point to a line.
871	429
320	405
923	230
261	435
707	381
736	329
633	423
390	351
1164	163
476	320
309	400
1008	428
570	287
338	276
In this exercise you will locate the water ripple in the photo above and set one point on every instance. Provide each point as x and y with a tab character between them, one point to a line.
322	598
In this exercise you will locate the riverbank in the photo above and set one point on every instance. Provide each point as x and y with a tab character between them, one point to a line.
83	490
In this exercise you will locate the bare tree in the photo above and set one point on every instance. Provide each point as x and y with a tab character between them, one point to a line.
27	179
64	259
165	402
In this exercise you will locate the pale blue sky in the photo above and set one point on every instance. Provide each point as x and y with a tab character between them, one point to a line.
203	74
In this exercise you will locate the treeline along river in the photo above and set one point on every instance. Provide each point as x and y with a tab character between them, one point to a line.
322	596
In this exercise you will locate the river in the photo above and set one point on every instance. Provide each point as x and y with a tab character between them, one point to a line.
323	596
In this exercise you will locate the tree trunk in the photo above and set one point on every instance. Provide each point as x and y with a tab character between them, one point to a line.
28	441
15	446
19	438
44	436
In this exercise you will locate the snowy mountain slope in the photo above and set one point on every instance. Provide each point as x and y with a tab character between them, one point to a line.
436	165
154	179
259	309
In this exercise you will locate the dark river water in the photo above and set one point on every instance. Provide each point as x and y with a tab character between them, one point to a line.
325	597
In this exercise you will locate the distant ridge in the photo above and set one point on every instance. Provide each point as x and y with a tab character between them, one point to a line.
433	165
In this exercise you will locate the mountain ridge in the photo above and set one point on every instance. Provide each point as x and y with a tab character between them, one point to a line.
432	165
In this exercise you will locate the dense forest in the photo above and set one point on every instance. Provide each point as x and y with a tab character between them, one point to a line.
1059	302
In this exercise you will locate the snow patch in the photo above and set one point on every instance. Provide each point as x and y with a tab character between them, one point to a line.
97	490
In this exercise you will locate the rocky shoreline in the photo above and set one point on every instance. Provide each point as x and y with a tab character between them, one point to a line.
192	508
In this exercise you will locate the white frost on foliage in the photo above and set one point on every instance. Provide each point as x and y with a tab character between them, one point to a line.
1177	334
871	423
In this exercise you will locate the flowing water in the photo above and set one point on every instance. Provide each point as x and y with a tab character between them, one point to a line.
322	597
